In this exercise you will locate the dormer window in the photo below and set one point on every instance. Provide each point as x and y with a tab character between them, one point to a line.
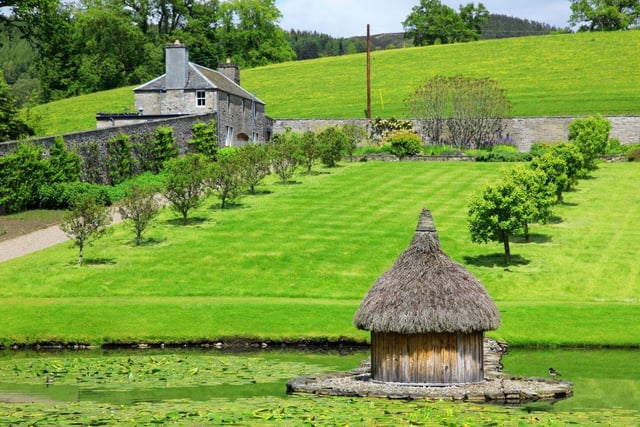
201	100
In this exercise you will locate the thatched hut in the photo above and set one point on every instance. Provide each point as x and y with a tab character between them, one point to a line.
427	316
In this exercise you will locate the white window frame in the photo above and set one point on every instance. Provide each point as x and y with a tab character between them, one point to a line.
201	98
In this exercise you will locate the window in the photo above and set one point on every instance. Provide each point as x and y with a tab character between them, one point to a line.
256	137
201	100
229	139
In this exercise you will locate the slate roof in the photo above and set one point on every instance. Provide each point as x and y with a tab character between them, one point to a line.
201	78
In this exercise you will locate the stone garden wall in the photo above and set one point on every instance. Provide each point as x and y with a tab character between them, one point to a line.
522	131
181	131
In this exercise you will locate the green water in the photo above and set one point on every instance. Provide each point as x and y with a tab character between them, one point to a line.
603	379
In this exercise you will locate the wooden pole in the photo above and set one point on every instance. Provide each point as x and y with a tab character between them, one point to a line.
368	72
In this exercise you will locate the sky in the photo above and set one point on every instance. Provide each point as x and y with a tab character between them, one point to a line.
346	18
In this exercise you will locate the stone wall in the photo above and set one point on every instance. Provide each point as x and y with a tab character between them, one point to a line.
181	131
522	131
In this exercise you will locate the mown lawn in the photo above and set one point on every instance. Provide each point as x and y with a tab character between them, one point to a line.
555	75
296	260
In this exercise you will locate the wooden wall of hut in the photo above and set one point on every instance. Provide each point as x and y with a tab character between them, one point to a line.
427	358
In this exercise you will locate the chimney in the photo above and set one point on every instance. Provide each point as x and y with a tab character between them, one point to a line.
176	65
231	71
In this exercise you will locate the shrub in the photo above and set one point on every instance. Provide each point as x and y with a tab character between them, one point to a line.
614	147
21	173
120	159
205	139
502	156
62	195
440	150
634	155
538	148
332	142
403	143
379	128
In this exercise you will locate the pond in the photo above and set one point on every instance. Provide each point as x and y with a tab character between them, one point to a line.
187	387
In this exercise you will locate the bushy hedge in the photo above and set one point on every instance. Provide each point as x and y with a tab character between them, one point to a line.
62	195
503	156
403	143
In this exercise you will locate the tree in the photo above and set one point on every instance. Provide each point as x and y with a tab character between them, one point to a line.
284	152
573	160
139	207
467	112
12	126
226	176
255	164
309	149
555	171
250	34
185	187
332	142
540	193
112	52
85	222
355	135
432	22
591	136
605	15
500	210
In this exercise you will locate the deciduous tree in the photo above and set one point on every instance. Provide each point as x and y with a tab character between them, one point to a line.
12	126
226	176
255	164
432	22
605	15
591	136
500	210
185	187
284	152
139	207
85	222
466	112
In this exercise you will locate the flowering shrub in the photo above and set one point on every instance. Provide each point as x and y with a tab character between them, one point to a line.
403	143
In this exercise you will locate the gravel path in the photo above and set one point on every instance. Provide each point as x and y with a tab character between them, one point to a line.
37	241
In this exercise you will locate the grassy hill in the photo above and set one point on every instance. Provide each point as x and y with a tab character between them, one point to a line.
555	75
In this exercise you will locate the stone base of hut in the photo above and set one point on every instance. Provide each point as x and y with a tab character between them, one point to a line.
497	388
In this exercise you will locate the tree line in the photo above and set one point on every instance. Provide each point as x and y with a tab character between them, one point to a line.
93	45
525	194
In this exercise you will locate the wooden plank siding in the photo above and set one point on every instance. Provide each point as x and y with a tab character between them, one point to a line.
429	358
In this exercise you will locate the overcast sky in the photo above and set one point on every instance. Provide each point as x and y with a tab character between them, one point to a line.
345	18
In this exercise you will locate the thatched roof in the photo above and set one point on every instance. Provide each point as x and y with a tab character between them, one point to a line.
426	291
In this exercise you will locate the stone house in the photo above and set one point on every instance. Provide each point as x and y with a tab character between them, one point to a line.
188	89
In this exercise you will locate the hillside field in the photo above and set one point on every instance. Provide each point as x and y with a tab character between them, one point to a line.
555	75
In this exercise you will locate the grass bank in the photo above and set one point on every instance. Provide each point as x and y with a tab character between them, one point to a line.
295	261
555	75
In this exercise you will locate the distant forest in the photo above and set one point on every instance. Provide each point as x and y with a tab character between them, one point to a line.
311	44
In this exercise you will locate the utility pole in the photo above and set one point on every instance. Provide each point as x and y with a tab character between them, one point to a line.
368	72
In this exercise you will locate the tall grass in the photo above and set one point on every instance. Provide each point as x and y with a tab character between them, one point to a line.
296	262
555	75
